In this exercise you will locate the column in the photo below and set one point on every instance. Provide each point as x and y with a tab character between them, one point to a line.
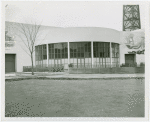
68	54
47	55
110	55
119	55
42	54
92	53
33	56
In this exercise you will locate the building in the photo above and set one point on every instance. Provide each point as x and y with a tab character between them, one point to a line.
78	46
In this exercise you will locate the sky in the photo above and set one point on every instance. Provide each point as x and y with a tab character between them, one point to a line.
70	14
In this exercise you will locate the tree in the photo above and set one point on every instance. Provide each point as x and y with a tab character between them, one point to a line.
28	33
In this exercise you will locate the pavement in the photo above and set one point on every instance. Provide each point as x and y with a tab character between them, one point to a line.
69	76
98	76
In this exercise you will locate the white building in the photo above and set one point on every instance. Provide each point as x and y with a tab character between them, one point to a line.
80	46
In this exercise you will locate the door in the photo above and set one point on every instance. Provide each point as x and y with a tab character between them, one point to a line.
130	58
9	62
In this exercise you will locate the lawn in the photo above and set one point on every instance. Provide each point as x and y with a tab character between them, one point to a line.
74	98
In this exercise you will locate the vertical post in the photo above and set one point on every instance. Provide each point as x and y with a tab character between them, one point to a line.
68	55
54	54
92	53
139	16
47	55
119	55
110	55
38	58
99	56
105	53
42	56
123	17
35	57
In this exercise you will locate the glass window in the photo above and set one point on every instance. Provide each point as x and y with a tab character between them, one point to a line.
80	49
58	52
115	54
102	49
101	52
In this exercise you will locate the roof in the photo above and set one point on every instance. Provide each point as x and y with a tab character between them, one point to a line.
72	34
49	34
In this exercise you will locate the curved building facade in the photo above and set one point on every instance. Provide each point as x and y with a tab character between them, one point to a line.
81	47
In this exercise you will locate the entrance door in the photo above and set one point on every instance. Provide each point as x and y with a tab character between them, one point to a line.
130	58
9	62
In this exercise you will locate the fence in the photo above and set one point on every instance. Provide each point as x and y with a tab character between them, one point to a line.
44	69
91	69
113	69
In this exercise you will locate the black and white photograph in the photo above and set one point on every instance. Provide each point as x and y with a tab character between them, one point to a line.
74	59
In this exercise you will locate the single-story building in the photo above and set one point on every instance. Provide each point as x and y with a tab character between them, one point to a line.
79	46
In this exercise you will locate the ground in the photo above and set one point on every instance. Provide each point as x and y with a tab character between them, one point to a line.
75	98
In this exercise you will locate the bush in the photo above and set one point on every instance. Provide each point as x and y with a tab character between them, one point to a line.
56	69
142	64
129	65
44	69
70	65
28	69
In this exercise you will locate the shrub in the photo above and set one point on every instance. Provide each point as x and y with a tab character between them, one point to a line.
142	64
56	69
28	69
70	65
129	65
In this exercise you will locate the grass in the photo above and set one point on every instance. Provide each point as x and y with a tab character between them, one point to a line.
74	98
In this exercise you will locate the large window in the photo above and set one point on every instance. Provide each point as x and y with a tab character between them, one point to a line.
80	49
58	54
80	54
41	55
115	54
101	49
101	54
44	52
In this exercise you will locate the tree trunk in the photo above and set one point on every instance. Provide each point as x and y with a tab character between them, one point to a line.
32	64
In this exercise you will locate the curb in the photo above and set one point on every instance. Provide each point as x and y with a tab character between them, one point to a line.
67	78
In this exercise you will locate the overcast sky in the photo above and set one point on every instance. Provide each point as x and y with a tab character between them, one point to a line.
71	14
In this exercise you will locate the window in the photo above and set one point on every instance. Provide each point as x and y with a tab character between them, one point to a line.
80	49
115	54
57	53
41	55
101	49
101	54
80	54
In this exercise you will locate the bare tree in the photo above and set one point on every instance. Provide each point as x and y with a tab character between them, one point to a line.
28	33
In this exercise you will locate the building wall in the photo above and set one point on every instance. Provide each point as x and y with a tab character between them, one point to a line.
22	58
137	41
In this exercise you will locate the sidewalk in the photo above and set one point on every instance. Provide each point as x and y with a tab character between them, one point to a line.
97	76
65	75
26	75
